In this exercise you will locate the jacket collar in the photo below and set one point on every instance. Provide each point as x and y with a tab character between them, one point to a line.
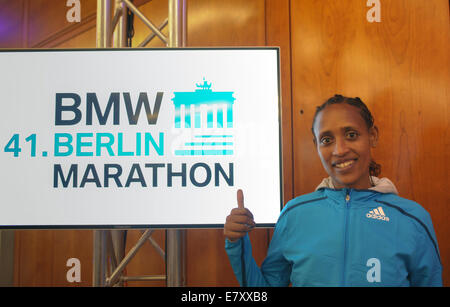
383	185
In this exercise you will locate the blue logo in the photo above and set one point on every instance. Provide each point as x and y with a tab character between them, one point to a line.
214	102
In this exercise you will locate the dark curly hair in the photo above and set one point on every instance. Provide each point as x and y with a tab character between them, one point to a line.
374	168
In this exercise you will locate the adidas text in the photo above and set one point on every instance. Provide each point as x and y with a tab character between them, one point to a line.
377	214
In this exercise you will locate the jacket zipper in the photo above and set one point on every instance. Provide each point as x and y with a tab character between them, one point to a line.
347	207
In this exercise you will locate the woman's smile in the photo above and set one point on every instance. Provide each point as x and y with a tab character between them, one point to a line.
344	165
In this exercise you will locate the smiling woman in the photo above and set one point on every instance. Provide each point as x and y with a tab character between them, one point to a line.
344	133
354	230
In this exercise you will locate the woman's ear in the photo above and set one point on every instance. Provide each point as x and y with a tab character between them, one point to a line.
315	143
373	136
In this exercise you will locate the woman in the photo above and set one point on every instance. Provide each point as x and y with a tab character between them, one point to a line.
354	230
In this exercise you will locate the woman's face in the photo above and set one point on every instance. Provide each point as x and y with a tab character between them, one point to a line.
344	143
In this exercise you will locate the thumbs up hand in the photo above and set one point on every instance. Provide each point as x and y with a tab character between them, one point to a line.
239	222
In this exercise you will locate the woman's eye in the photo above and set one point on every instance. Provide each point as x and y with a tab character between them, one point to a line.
325	140
352	135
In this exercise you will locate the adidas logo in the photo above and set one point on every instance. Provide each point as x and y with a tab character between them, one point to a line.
377	214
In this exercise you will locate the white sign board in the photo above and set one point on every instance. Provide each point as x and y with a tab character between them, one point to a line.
138	137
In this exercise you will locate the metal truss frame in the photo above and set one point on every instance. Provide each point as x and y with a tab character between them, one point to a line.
109	259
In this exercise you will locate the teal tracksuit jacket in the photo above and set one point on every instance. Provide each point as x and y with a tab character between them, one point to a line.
344	237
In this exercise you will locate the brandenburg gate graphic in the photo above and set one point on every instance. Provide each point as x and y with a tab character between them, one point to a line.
204	98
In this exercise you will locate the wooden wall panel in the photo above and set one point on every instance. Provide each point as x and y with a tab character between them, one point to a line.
48	17
41	257
278	34
86	39
400	68
226	23
12	27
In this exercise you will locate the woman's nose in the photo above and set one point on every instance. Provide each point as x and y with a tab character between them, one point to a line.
340	147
